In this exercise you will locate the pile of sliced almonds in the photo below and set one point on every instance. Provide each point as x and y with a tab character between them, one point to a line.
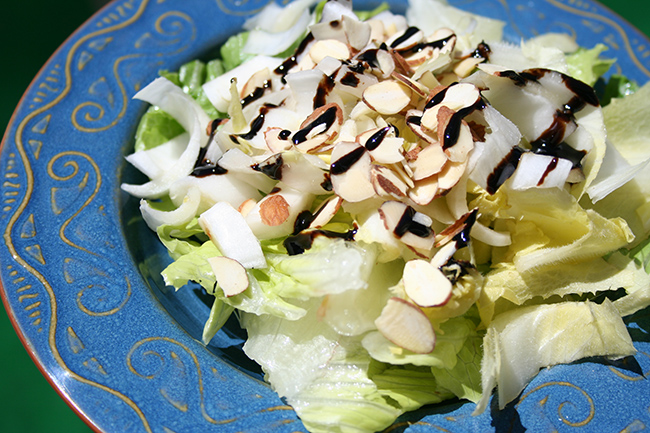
372	115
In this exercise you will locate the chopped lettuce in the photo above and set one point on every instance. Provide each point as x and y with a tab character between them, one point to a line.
587	66
520	342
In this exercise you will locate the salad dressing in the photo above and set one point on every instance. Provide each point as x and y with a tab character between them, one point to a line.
327	118
346	162
406	224
292	61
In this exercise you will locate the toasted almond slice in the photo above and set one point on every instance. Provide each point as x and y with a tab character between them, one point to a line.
383	144
376	30
419	243
406	325
387	97
319	128
274	140
391	213
414	121
425	284
329	48
386	63
274	210
451	174
442	256
416	87
259	79
406	39
246	207
466	66
463	223
230	274
422	56
464	145
424	191
326	212
386	183
430	161
350	172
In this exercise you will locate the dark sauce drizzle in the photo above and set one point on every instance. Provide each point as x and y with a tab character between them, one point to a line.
406	224
298	244
346	162
440	44
405	36
327	183
462	238
482	51
376	139
292	61
204	167
438	97
552	166
350	79
452	131
327	118
504	170
258	122
324	88
272	167
256	94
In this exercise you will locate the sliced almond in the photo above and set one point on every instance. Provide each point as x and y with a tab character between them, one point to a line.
462	224
425	284
246	207
414	121
391	213
326	212
406	39
274	210
416	87
406	325
275	140
383	144
467	66
429	161
424	191
386	183
259	79
463	146
451	174
230	274
387	97
317	131
421	56
329	48
350	172
385	62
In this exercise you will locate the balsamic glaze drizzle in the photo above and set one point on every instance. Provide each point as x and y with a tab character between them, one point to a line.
346	162
272	167
406	224
327	118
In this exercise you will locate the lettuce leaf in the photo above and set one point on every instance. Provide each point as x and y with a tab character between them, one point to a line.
520	342
587	66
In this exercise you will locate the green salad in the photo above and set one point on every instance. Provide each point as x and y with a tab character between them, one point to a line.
401	210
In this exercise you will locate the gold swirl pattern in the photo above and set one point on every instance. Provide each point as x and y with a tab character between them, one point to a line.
56	75
101	293
178	370
73	167
631	378
560	409
173	27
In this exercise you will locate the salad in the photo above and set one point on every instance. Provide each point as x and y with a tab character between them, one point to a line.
401	210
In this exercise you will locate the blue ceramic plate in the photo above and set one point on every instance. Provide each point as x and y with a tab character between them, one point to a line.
80	273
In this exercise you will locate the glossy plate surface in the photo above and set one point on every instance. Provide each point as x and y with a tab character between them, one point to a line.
80	272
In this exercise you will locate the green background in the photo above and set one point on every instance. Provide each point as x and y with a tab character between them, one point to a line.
30	31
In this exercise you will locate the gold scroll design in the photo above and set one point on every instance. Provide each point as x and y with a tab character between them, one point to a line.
608	21
29	180
172	25
155	357
561	408
64	167
242	7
